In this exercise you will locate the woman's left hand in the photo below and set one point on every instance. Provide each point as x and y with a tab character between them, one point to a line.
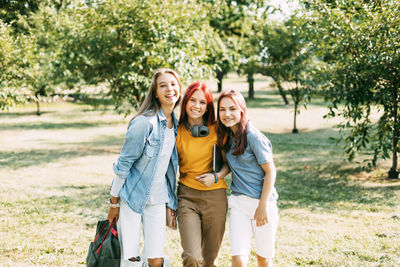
171	218
208	179
261	216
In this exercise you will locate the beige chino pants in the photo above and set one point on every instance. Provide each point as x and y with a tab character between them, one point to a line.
201	222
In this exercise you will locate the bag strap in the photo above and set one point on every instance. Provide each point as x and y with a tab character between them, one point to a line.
101	230
114	232
108	230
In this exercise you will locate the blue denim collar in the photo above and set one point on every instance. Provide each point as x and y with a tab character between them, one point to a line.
161	117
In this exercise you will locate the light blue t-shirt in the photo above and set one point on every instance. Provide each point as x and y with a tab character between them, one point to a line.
247	174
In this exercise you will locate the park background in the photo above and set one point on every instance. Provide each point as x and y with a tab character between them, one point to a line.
321	82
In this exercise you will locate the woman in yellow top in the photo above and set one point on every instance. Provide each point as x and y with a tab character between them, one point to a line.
202	202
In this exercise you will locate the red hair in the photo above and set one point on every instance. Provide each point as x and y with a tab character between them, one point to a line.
240	135
209	115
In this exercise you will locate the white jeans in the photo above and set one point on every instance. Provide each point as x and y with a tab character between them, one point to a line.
243	226
129	225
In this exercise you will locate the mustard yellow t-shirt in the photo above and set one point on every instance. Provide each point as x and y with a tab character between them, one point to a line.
195	157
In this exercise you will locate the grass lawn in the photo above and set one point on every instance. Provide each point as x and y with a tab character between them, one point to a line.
56	169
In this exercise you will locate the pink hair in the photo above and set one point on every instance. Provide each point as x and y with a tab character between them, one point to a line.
240	135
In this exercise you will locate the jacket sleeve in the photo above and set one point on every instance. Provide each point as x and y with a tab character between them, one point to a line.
132	149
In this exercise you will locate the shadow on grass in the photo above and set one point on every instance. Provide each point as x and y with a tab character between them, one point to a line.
265	99
74	204
311	190
272	99
275	102
313	172
23	159
99	145
55	125
265	102
95	102
105	140
23	114
89	200
243	79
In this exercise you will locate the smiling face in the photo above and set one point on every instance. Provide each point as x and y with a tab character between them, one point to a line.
229	113
196	106
167	89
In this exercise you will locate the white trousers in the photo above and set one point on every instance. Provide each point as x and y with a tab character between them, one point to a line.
243	226
129	225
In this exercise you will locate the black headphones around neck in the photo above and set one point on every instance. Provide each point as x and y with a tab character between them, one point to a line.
198	131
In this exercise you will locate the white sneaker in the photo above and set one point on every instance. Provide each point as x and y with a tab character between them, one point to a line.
167	262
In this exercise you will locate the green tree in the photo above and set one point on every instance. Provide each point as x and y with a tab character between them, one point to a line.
38	72
34	47
286	57
11	62
41	48
221	58
122	42
274	53
226	17
11	9
360	42
235	23
255	17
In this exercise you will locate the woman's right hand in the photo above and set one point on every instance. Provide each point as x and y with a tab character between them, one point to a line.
113	213
208	179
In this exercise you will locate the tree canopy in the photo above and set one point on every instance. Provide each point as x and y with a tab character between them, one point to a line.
46	45
122	42
360	43
11	63
286	56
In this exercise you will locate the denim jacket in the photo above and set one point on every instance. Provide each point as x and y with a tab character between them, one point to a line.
139	157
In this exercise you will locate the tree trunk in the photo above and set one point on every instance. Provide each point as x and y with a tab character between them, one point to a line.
296	105
37	95
59	5
393	173
250	80
37	107
296	100
220	76
281	91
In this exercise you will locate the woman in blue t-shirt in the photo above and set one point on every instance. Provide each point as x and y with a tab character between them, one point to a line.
252	204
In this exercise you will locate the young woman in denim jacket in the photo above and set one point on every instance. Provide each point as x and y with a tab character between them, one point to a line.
202	203
143	191
253	202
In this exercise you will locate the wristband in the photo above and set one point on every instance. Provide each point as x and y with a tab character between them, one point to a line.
113	205
215	176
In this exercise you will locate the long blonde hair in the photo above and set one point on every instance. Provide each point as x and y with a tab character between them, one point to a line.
151	105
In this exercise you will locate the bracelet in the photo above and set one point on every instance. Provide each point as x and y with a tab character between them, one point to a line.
215	176
113	205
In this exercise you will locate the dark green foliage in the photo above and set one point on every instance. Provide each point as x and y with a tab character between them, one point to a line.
71	43
11	63
11	9
122	42
360	42
236	24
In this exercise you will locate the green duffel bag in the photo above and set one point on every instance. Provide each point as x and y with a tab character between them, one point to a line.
105	250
